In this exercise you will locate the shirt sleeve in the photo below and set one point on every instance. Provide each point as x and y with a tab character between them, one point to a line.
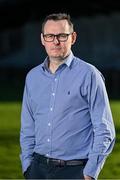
27	132
102	123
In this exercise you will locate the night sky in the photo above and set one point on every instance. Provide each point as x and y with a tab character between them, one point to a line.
16	12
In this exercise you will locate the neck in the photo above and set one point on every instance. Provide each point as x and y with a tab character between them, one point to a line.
54	64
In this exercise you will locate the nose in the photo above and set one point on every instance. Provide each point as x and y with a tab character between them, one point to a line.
56	40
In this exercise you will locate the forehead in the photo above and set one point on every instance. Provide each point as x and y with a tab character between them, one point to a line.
56	26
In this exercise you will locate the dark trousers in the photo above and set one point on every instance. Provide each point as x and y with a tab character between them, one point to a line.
40	170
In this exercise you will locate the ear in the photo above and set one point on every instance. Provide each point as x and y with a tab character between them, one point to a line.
42	40
74	36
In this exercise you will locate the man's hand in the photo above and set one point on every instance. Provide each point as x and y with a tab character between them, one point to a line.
87	178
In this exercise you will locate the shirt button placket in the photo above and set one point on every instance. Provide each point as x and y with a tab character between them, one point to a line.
52	103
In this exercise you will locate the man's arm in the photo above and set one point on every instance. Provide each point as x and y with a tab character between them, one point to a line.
27	133
103	126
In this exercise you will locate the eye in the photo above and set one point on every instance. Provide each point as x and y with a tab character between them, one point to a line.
62	35
48	35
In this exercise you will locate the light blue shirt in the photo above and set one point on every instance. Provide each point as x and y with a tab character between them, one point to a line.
66	115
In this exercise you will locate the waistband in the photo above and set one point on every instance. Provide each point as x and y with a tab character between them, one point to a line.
59	162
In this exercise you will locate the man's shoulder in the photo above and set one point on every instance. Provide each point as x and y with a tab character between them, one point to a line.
33	72
84	64
87	68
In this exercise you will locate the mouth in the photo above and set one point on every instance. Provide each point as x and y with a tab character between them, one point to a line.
56	48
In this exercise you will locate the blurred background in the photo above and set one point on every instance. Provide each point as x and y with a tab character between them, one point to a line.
98	27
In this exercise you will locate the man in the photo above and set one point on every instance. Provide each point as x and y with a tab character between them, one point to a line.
67	129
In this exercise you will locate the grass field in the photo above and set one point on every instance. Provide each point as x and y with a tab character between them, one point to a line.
10	166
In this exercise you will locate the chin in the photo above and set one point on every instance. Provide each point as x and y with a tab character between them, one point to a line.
59	58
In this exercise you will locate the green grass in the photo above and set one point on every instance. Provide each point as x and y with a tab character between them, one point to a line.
10	165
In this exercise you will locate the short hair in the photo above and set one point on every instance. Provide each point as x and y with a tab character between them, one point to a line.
57	17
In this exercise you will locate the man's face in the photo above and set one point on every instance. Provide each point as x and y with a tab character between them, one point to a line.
56	48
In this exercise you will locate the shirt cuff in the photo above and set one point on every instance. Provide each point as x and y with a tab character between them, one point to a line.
25	163
94	166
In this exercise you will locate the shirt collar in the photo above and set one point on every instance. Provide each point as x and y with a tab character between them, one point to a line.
68	61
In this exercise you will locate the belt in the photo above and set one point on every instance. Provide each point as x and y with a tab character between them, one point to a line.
58	162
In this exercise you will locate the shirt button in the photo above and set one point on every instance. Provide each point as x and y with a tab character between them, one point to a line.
49	124
51	108
48	140
55	79
53	94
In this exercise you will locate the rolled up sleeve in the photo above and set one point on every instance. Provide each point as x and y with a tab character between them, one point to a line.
103	126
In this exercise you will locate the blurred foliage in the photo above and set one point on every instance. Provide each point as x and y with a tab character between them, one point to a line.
10	165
